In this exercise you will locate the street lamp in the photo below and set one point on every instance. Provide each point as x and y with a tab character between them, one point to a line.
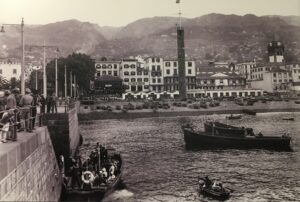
22	52
44	67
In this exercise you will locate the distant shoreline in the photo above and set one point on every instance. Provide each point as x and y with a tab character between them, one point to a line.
104	115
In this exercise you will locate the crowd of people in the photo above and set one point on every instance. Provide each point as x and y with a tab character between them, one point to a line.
21	110
98	169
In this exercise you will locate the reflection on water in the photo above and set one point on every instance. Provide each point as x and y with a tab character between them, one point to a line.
158	168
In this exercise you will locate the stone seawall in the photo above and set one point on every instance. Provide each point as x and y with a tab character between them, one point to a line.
28	168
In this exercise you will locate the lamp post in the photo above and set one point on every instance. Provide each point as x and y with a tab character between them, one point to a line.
44	66
22	53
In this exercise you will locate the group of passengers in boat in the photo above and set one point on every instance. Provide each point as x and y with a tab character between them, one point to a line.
214	185
98	169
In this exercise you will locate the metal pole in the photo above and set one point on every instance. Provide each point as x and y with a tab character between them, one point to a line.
56	81
23	59
71	84
75	86
36	80
44	72
66	81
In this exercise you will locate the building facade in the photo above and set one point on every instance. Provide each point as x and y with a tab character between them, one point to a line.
10	70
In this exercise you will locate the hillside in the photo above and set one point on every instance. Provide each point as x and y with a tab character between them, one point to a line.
209	37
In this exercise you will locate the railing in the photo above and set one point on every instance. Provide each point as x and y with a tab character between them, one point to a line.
26	118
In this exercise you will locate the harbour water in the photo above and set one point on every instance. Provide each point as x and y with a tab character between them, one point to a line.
159	168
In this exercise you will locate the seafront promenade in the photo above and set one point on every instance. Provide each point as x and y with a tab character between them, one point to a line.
111	110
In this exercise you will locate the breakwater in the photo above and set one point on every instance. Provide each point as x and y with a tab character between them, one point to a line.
102	115
29	168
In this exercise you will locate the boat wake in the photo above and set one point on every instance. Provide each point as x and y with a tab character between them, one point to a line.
119	195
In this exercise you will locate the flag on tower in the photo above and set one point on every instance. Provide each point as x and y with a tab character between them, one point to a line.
177	1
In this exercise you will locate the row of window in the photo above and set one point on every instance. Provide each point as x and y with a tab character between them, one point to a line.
14	71
134	80
104	66
285	80
115	73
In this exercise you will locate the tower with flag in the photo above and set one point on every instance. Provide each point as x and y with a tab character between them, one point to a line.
181	57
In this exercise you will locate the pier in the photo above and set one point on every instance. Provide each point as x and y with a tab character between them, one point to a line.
29	167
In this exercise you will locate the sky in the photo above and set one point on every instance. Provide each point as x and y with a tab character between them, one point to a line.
122	12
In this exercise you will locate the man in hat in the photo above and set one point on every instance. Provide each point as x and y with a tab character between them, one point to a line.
26	104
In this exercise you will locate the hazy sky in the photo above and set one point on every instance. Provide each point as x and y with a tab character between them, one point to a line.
122	12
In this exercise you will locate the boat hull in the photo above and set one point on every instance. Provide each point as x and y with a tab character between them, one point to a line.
205	140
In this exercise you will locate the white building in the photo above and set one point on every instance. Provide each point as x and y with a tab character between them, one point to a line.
156	77
10	69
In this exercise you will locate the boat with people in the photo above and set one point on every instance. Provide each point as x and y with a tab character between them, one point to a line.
213	188
94	178
219	135
234	116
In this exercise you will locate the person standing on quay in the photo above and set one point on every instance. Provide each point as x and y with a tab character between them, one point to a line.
48	103
35	104
53	105
26	103
18	97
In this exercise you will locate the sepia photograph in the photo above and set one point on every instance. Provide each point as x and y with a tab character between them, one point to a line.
150	100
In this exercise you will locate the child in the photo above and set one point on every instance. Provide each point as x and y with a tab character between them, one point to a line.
4	124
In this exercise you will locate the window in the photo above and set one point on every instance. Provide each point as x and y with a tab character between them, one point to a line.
126	66
132	73
167	64
146	80
146	87
158	80
189	71
132	80
115	66
98	73
103	72
109	66
139	73
145	73
153	59
190	64
153	67
126	73
175	64
175	71
221	80
126	79
14	71
153	80
109	72
132	66
168	71
115	73
104	66
158	67
157	59
140	80
274	80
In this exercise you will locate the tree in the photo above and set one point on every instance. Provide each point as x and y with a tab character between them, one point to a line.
80	64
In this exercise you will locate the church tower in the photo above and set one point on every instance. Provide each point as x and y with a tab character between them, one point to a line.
275	52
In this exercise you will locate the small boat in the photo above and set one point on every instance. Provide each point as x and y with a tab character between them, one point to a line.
288	118
233	138
248	111
213	189
93	186
297	101
234	116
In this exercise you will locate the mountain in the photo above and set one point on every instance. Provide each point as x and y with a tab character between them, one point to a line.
209	37
212	36
70	36
147	26
291	20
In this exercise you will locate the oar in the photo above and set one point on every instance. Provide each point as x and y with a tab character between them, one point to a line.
231	190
